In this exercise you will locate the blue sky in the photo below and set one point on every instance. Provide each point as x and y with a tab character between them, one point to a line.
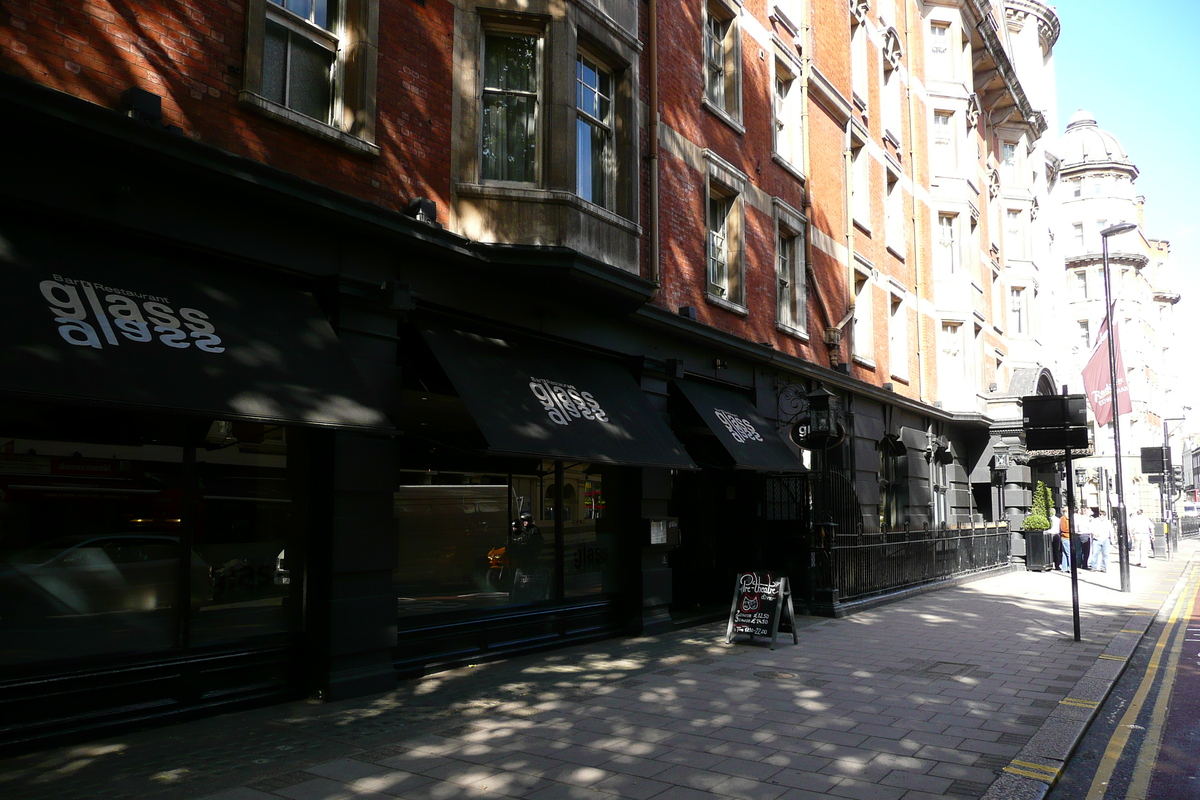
1133	65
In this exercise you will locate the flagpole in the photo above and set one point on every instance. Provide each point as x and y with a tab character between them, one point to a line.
1114	397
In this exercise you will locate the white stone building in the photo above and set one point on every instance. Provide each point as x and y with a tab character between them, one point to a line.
1003	215
1096	191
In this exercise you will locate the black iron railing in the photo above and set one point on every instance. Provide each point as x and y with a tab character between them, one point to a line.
862	564
1189	526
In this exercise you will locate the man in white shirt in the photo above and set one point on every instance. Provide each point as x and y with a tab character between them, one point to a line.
1142	533
1103	535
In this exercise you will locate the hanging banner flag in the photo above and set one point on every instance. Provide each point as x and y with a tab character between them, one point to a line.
1097	383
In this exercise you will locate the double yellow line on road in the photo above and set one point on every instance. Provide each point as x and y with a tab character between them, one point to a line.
1139	784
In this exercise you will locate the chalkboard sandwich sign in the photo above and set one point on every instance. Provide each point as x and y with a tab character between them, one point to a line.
759	602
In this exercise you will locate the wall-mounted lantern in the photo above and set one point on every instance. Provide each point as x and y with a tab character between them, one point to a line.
822	418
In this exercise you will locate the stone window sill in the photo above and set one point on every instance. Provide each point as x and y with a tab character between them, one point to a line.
287	116
728	305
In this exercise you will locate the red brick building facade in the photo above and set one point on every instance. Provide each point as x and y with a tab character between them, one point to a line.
592	267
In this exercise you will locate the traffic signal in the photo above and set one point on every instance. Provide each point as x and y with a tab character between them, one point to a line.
1153	458
1177	475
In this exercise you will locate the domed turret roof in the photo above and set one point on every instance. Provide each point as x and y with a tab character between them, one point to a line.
1086	145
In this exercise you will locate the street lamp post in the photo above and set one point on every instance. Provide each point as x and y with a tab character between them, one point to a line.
1122	527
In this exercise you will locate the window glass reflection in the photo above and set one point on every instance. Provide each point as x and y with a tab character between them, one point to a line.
453	545
92	536
474	541
589	551
89	549
243	526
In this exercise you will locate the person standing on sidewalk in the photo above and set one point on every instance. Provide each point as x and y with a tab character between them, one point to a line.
1143	534
1083	524
1064	533
1103	534
1055	540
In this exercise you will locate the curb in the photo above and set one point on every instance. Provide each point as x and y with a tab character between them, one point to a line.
1038	766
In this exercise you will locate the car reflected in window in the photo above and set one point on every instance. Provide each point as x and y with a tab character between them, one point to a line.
120	572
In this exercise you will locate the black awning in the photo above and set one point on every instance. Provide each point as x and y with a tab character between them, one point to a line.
750	440
86	321
555	403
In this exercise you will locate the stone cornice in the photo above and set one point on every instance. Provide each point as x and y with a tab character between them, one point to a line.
1135	260
1047	20
987	29
1089	167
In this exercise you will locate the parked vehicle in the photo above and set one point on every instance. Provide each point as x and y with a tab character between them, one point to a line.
99	574
283	575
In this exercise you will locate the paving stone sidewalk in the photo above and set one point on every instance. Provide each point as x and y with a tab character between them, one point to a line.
935	696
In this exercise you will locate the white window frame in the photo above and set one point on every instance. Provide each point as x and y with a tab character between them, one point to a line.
1015	233
997	298
311	32
974	259
947	241
1018	311
980	353
593	123
863	333
1009	163
898	335
725	234
945	142
952	362
1085	336
723	59
860	188
537	94
892	102
350	36
788	129
1081	286
791	270
941	63
894	225
859	80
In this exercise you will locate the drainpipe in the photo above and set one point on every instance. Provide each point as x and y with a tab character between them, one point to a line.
916	228
848	168
652	65
806	153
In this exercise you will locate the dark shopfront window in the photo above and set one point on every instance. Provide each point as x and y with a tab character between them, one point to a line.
463	547
92	534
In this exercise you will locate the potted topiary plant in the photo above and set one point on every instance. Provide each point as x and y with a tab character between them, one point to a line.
1038	518
1037	542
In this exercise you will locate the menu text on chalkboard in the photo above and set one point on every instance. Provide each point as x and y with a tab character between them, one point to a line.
760	599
